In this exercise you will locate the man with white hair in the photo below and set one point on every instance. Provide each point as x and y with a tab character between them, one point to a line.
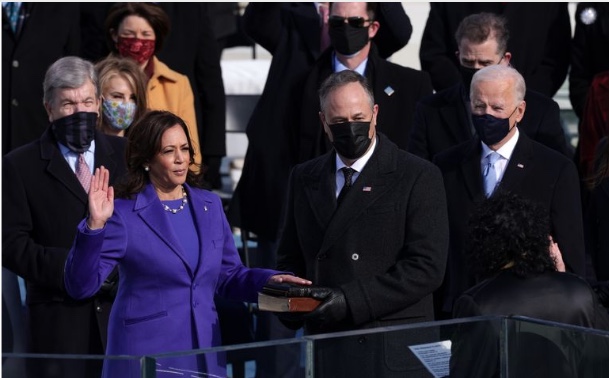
500	155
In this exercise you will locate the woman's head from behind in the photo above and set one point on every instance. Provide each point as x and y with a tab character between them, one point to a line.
510	232
136	30
159	150
123	89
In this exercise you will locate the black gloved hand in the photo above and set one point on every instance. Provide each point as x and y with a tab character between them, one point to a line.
331	311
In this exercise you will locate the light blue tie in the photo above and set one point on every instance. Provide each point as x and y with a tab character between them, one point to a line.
489	174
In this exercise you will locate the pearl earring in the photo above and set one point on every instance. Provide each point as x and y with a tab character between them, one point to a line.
146	168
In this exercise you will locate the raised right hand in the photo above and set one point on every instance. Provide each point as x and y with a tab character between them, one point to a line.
101	199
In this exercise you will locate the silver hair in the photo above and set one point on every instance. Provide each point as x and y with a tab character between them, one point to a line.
340	79
69	72
501	72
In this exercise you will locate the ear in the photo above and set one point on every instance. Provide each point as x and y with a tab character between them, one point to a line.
521	108
507	57
114	35
373	29
375	112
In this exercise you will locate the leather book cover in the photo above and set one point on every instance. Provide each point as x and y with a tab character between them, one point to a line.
286	304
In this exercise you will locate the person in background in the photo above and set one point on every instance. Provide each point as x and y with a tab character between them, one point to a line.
589	53
174	248
123	89
138	31
397	89
44	196
368	221
443	119
540	41
502	156
34	35
509	248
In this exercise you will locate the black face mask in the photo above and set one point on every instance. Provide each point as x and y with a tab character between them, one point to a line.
75	131
351	139
348	40
467	75
490	129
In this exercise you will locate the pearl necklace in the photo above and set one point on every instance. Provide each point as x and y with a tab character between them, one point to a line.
184	202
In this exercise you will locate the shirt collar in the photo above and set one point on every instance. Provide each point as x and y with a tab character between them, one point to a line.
338	66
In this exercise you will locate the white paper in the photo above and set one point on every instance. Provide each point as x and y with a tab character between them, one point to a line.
434	356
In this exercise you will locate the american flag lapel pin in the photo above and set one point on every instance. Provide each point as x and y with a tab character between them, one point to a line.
367	189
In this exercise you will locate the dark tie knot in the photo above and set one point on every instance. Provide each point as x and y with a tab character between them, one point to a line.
348	172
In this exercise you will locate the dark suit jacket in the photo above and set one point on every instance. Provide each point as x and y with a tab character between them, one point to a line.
384	247
558	297
50	31
540	36
396	89
535	172
442	120
589	52
291	33
43	201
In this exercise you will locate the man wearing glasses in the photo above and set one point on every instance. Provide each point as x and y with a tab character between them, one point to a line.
443	120
352	27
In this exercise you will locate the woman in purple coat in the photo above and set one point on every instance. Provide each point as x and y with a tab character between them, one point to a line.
174	249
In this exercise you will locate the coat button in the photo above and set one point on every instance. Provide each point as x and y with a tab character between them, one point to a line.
355	257
14	102
98	309
16	63
323	256
361	340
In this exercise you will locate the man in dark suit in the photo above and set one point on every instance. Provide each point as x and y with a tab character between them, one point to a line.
521	165
443	120
541	36
291	32
43	201
396	89
378	248
44	33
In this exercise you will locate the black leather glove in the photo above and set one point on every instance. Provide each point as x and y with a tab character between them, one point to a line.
331	311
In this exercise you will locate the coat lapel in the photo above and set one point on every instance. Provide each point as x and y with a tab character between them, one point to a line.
376	178
149	209
58	167
518	165
319	188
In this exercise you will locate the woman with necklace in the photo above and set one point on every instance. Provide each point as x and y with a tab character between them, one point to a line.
174	249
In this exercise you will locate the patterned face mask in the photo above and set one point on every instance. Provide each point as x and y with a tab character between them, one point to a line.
140	50
119	115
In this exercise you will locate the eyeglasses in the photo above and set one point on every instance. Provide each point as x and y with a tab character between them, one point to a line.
356	22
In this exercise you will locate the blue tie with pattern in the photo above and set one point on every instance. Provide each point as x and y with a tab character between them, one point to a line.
489	174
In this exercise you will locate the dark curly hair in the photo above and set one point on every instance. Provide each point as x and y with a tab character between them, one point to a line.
508	231
143	143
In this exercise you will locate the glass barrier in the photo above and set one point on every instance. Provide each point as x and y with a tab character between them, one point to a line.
506	347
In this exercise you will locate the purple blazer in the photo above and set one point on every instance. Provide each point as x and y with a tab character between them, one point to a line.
162	305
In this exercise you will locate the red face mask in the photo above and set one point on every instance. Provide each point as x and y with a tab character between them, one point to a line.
137	49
